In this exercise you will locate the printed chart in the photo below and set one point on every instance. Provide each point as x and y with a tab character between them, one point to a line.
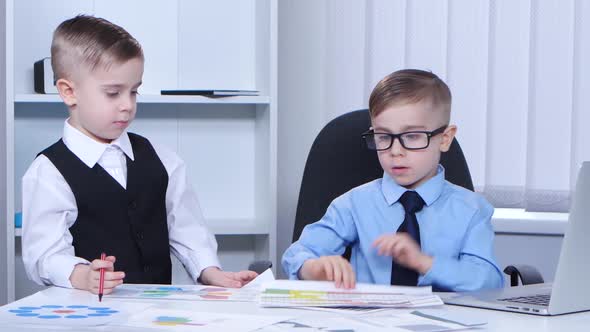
52	311
184	320
188	292
60	314
288	293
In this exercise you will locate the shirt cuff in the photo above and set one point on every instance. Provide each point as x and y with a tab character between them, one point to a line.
61	268
440	266
201	263
294	263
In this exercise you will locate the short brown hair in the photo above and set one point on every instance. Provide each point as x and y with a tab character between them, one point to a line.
91	41
410	86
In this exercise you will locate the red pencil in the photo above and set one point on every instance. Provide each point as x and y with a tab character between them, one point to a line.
103	256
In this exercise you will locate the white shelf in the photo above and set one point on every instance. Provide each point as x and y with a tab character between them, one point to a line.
157	99
220	227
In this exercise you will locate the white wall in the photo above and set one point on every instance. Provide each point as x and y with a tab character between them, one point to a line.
173	41
505	61
300	90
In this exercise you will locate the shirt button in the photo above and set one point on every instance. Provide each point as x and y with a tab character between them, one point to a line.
140	236
146	268
133	205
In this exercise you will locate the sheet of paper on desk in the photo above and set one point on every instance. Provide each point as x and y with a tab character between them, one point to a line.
184	292
263	278
184	320
347	310
248	293
442	314
323	324
289	293
409	322
66	307
405	322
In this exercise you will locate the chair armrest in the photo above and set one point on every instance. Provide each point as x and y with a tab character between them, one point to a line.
528	274
260	266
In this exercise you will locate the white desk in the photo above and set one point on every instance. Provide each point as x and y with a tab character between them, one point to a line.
497	320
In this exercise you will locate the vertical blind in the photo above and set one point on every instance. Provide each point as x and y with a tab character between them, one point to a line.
518	71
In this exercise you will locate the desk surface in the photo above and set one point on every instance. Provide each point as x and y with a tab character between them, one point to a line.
497	320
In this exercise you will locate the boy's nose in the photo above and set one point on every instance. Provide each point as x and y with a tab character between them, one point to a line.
127	104
396	147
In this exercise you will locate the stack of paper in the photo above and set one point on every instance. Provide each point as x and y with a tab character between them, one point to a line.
288	293
248	293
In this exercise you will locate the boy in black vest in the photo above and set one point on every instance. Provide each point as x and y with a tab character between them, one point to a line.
102	189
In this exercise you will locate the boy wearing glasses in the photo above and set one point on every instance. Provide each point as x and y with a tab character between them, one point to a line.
411	227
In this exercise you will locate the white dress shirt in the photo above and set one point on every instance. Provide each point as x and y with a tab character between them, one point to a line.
49	210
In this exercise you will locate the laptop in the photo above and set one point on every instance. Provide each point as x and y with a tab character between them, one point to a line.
570	290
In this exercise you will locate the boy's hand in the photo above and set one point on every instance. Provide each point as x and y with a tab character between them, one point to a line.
215	277
404	251
87	277
331	268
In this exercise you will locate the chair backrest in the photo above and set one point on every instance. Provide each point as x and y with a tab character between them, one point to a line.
338	162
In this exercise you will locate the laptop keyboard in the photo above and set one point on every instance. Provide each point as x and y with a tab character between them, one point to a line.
541	299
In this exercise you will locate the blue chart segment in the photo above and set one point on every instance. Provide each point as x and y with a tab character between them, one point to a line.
53	311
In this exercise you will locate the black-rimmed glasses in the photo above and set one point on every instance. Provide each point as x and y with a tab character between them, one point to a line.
410	140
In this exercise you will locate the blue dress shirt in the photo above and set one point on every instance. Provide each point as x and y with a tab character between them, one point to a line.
455	230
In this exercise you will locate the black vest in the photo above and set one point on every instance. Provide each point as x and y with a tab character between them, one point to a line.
128	224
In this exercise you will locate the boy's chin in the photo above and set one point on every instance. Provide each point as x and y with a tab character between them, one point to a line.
107	137
408	182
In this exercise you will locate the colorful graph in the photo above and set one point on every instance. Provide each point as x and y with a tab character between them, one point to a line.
164	291
187	292
190	320
275	297
175	321
53	312
209	293
214	293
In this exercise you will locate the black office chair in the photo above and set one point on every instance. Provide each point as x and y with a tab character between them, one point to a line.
338	162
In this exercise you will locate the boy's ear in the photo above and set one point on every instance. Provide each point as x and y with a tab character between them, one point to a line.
447	138
66	91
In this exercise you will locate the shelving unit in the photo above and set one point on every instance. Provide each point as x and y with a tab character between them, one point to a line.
158	99
228	143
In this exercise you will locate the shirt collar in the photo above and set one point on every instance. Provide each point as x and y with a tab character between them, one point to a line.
429	190
90	151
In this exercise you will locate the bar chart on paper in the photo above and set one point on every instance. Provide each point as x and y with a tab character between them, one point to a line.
185	320
185	292
285	293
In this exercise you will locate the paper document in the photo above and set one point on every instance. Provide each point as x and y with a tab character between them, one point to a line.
323	324
398	322
66	307
248	293
185	320
295	293
408	322
462	318
347	310
263	278
184	292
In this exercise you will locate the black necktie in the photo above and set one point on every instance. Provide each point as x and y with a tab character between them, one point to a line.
412	203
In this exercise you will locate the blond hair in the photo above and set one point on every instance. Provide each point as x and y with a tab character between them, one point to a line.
91	41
